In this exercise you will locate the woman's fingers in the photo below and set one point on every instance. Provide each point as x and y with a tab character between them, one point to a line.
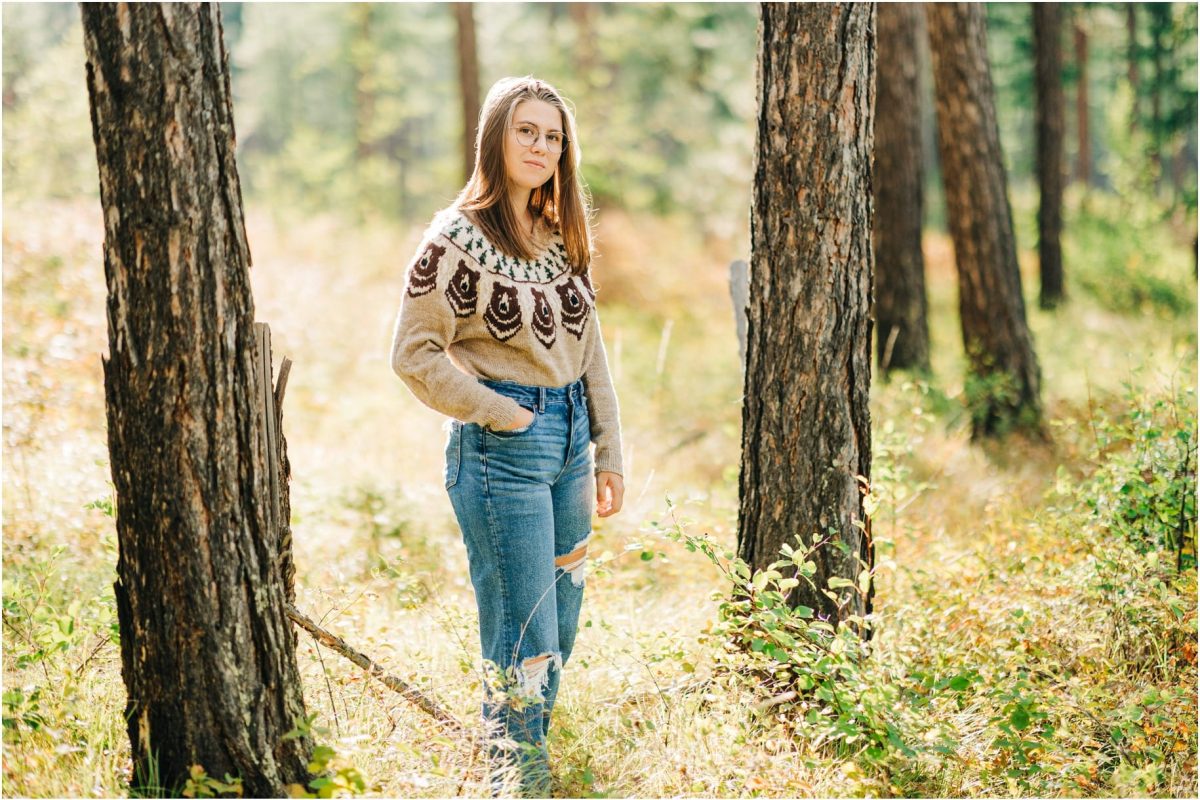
610	493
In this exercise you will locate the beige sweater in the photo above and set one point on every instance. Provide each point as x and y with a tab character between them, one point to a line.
470	312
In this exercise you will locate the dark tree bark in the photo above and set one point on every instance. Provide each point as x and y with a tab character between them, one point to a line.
806	441
468	79
1083	163
207	651
902	335
1004	378
1048	122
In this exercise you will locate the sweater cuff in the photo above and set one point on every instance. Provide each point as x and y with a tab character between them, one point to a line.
500	411
606	462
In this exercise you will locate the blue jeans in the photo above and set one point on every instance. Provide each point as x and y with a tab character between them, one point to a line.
524	500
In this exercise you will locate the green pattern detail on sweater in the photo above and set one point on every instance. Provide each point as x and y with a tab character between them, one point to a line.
475	245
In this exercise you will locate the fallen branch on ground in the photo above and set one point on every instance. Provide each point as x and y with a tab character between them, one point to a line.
399	685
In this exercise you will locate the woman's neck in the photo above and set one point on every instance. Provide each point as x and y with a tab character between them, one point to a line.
519	197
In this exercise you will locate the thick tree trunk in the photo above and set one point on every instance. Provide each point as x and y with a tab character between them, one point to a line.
1048	121
1004	378
902	332
468	79
806	440
206	648
1083	163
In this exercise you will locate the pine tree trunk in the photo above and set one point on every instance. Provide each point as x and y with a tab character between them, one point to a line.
585	42
206	648
468	79
902	335
1083	163
1004	378
806	440
1048	122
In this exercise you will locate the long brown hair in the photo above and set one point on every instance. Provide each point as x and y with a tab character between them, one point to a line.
561	201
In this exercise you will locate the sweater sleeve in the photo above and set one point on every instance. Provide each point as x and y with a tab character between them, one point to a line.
603	411
425	326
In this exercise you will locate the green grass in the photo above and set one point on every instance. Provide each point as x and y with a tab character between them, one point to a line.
1033	636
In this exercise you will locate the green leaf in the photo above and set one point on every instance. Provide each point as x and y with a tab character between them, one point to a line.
1019	718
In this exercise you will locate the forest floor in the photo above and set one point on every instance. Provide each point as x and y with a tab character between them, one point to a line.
1033	634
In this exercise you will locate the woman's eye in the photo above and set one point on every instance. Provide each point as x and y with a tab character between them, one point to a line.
554	138
528	131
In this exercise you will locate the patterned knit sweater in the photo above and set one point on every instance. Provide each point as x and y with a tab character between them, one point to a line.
469	311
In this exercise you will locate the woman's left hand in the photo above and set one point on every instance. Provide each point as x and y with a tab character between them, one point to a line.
610	493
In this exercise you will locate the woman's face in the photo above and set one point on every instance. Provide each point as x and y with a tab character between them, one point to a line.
529	166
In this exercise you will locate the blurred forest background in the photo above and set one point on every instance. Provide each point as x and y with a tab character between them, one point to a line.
1038	631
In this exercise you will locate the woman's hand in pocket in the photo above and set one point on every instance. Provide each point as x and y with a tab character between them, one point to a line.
524	418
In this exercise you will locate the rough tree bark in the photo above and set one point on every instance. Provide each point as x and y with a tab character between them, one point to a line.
207	655
902	330
806	439
468	80
1003	383
1048	122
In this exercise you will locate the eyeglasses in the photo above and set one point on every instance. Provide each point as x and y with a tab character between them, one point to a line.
527	135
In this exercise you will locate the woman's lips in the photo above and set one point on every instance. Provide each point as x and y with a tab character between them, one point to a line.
536	164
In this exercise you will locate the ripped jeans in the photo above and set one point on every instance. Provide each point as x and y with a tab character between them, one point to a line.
524	500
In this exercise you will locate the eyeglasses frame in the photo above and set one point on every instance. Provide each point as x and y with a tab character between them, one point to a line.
542	135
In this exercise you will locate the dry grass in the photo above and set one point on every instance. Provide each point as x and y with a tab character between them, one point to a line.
380	559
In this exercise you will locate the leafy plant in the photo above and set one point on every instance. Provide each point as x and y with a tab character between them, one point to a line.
808	673
336	775
201	784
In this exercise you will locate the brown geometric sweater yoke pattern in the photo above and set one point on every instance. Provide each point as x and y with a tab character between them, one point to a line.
469	311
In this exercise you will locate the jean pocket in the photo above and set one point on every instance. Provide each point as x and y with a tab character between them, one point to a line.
508	434
453	453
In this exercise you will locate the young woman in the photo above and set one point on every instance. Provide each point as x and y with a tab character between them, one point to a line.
498	330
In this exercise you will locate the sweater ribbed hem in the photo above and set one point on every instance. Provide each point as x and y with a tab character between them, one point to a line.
606	463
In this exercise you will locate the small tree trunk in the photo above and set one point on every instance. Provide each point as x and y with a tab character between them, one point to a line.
806	436
1160	25
902	338
468	80
1048	122
207	656
1003	385
1083	163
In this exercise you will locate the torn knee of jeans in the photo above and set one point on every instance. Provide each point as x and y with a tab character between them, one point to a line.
572	563
534	675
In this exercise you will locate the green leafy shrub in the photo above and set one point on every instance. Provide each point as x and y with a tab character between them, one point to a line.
1145	490
807	673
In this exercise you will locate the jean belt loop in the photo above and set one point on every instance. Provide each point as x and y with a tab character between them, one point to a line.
541	401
